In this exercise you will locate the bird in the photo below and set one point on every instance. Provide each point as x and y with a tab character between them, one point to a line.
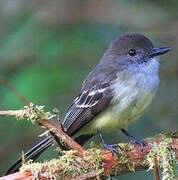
114	94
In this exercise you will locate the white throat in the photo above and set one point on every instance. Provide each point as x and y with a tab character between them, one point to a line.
143	75
134	90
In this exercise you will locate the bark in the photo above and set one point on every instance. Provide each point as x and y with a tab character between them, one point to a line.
97	163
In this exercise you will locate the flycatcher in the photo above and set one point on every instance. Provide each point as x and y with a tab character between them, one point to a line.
114	94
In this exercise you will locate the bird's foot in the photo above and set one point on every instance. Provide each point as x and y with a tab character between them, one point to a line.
134	140
137	141
110	147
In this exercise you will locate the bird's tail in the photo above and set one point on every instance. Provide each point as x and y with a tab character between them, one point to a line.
38	149
33	153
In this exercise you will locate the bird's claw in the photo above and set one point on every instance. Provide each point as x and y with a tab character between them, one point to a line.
112	148
138	141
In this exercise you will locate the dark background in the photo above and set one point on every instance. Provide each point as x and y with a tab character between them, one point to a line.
47	47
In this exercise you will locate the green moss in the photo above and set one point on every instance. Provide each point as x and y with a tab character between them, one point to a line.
171	135
69	165
130	166
32	112
95	146
126	147
72	165
166	157
123	160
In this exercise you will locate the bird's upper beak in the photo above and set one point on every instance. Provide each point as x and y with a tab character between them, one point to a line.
160	51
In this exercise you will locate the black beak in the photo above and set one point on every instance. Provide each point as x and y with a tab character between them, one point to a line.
160	51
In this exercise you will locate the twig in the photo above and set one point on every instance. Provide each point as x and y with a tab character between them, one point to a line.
13	90
156	171
18	176
37	115
62	136
91	175
5	113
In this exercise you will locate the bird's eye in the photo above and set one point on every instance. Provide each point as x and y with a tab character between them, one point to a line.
132	52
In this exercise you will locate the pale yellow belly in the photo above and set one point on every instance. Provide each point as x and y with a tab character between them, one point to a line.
118	115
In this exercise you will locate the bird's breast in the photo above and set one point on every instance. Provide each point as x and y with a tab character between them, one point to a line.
128	106
130	99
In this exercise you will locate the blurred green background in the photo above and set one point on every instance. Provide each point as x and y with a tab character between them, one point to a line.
47	47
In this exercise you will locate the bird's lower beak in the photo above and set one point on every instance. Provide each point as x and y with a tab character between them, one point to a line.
160	51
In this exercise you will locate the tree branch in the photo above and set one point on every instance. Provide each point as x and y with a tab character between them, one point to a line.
96	162
100	163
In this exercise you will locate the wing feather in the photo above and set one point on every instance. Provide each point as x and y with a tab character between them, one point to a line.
86	106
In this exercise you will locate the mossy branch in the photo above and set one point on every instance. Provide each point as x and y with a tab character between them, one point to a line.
96	163
36	114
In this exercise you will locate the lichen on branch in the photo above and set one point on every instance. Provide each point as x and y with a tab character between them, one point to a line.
71	164
95	162
32	112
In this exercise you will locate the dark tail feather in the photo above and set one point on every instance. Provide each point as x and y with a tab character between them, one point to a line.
38	149
33	154
82	140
